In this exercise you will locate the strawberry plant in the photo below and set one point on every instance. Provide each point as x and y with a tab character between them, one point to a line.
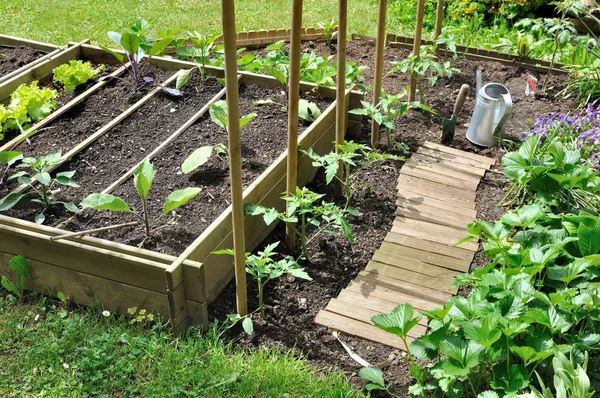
41	184
329	31
143	177
75	73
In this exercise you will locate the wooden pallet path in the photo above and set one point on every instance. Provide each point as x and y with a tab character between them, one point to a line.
417	261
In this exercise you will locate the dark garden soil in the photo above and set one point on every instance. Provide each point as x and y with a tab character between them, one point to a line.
291	306
263	141
12	58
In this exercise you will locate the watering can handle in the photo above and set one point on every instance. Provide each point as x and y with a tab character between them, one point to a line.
507	111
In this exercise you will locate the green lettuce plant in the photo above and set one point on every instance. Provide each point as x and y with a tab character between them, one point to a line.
41	183
143	178
28	103
75	73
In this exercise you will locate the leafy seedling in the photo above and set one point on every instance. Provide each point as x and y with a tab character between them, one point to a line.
42	184
131	44
75	73
307	110
374	376
263	268
218	114
21	268
143	177
201	155
7	159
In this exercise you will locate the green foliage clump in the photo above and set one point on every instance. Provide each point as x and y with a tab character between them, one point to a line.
28	103
75	73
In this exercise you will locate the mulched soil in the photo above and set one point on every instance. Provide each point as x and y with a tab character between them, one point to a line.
12	58
293	305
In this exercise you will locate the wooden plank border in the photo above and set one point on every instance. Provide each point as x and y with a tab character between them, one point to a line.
474	53
7	40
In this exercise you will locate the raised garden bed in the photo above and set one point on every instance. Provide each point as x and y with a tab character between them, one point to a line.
18	55
177	280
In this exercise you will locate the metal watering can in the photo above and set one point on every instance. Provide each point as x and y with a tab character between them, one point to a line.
492	109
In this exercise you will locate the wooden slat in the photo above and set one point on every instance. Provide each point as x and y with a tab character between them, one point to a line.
457	152
360	329
436	190
447	157
414	265
424	205
365	288
431	247
441	218
434	295
356	311
443	169
440	283
432	232
414	195
440	260
446	180
464	168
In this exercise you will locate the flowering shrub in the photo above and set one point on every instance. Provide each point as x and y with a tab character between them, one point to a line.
581	130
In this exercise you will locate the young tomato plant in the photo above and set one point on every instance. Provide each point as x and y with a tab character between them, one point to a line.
303	209
42	184
349	154
75	73
143	178
424	66
218	114
204	47
263	268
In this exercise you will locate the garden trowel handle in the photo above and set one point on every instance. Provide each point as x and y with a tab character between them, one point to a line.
460	99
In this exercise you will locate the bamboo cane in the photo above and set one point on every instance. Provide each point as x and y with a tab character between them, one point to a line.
417	45
439	20
293	98
380	44
235	154
340	119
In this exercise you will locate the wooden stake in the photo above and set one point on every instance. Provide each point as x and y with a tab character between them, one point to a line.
235	154
417	45
380	44
293	98
340	118
439	20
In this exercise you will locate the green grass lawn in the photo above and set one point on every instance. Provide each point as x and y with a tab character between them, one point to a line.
46	351
60	21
